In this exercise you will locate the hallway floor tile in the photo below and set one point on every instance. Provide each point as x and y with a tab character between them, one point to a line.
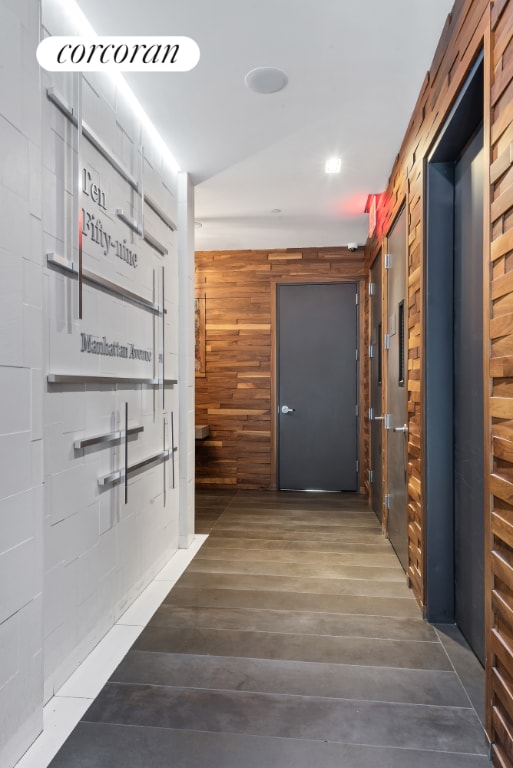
290	640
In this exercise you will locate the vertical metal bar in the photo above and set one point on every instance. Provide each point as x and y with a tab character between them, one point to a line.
78	184
172	440
163	308
140	215
164	463
155	328
155	356
125	446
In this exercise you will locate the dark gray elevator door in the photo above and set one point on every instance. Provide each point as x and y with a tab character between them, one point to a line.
376	388
468	395
397	436
317	378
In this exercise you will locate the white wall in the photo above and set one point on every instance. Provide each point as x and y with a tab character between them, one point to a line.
186	358
21	407
73	556
100	552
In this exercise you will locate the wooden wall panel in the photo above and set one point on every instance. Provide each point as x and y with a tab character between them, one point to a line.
235	397
500	646
462	36
472	25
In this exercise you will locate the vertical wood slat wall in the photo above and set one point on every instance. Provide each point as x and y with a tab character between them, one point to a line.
461	40
472	25
235	397
500	678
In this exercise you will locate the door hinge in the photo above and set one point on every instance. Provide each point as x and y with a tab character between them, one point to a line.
371	475
372	289
356	354
386	420
357	465
388	336
386	503
388	260
356	298
371	414
371	351
357	410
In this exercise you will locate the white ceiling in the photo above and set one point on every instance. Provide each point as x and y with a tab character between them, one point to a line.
355	70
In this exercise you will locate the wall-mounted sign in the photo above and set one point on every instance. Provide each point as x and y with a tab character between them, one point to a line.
101	346
92	224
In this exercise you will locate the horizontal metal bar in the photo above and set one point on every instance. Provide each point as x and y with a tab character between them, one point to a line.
55	260
129	221
119	474
92	136
60	102
109	157
107	438
102	282
157	457
56	378
65	378
112	478
160	213
155	243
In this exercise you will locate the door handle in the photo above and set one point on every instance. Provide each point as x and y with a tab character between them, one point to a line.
286	409
379	418
404	428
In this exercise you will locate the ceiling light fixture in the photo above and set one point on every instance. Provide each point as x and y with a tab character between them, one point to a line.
333	165
266	80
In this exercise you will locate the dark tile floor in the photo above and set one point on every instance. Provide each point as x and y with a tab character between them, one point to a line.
291	641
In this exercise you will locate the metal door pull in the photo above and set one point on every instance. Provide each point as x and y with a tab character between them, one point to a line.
379	418
286	409
404	428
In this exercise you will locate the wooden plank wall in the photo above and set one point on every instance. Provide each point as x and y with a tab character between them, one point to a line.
235	396
500	648
459	44
472	25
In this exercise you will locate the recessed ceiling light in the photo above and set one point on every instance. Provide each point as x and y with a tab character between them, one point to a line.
333	165
266	80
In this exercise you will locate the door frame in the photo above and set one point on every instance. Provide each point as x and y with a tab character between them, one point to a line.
362	329
438	438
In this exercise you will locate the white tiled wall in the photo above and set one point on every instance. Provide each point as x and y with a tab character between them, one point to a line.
21	406
100	552
73	557
186	382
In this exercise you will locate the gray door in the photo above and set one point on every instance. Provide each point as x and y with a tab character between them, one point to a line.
376	388
317	386
397	436
468	395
